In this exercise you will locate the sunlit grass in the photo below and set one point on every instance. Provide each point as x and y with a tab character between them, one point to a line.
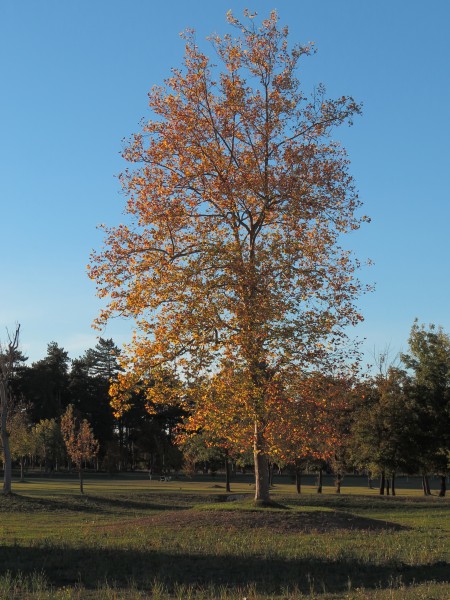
129	537
139	483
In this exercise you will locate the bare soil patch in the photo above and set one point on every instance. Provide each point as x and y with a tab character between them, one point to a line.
276	521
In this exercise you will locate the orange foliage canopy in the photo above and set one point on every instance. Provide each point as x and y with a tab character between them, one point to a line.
237	198
300	422
310	422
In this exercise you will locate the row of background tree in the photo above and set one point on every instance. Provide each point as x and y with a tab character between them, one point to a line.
397	421
42	392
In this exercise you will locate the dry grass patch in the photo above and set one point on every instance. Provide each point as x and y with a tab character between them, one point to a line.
279	521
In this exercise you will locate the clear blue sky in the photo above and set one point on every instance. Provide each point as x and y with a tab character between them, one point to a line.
74	79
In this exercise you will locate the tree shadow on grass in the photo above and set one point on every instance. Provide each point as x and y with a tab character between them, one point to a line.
92	567
165	503
87	504
364	502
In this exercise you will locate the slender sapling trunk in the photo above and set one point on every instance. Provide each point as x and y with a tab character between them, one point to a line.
7	466
270	465
298	480
320	481
227	475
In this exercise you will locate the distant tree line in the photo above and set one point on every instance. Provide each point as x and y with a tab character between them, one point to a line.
401	422
43	391
394	422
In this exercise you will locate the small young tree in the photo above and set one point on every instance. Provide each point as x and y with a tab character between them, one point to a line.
80	442
21	437
48	444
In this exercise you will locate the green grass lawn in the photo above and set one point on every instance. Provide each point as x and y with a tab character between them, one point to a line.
129	537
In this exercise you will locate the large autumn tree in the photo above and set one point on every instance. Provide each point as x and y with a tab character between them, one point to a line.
237	202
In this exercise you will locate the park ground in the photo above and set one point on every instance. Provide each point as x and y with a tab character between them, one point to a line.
132	538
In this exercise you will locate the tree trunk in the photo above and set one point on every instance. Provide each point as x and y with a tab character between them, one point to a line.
382	483
21	470
262	488
338	482
320	481
227	474
121	444
298	480
5	438
427	485
270	466
6	368
443	486
393	483
387	486
80	471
